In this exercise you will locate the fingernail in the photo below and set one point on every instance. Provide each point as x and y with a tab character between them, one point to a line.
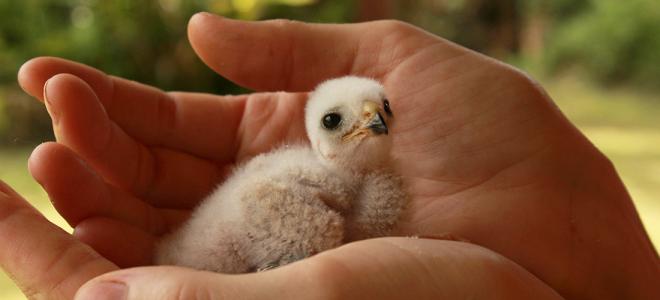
208	14
52	111
104	290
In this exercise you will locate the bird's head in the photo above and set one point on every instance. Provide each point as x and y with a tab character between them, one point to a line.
347	123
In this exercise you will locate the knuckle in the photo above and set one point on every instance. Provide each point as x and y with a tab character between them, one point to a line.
521	80
521	84
395	27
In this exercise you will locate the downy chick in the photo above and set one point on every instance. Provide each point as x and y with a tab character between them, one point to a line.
296	201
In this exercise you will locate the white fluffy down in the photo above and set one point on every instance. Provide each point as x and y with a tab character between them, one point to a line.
296	201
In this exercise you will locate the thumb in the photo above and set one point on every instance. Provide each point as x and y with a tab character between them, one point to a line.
387	268
168	282
294	56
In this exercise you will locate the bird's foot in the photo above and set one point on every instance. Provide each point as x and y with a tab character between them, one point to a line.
267	267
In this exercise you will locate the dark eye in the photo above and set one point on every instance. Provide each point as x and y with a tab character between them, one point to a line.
331	121
386	107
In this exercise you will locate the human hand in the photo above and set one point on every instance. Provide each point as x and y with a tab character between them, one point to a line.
485	153
47	263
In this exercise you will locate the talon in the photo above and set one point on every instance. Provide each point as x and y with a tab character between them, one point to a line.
267	267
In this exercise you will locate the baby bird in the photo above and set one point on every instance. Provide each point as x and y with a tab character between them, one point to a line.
296	201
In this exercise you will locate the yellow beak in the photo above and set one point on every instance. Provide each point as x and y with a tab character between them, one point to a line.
371	123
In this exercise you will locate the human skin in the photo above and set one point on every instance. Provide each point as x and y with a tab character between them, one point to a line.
486	156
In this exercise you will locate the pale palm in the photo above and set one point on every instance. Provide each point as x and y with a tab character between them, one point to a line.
485	155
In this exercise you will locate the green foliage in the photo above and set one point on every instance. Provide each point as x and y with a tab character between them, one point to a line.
558	9
333	11
613	41
22	120
139	40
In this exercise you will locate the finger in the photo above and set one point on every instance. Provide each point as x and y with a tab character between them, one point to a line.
240	125
412	268
169	178
58	169
44	261
33	75
181	121
294	56
396	268
121	243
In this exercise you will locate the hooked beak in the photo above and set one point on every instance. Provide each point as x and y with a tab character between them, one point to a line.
371	123
377	124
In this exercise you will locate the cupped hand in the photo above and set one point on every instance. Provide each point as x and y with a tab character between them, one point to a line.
485	154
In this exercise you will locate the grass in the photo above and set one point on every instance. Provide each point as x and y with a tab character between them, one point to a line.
622	123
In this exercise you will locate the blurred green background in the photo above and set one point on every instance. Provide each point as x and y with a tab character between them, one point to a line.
598	59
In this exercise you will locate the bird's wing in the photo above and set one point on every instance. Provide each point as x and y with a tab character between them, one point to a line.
378	207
